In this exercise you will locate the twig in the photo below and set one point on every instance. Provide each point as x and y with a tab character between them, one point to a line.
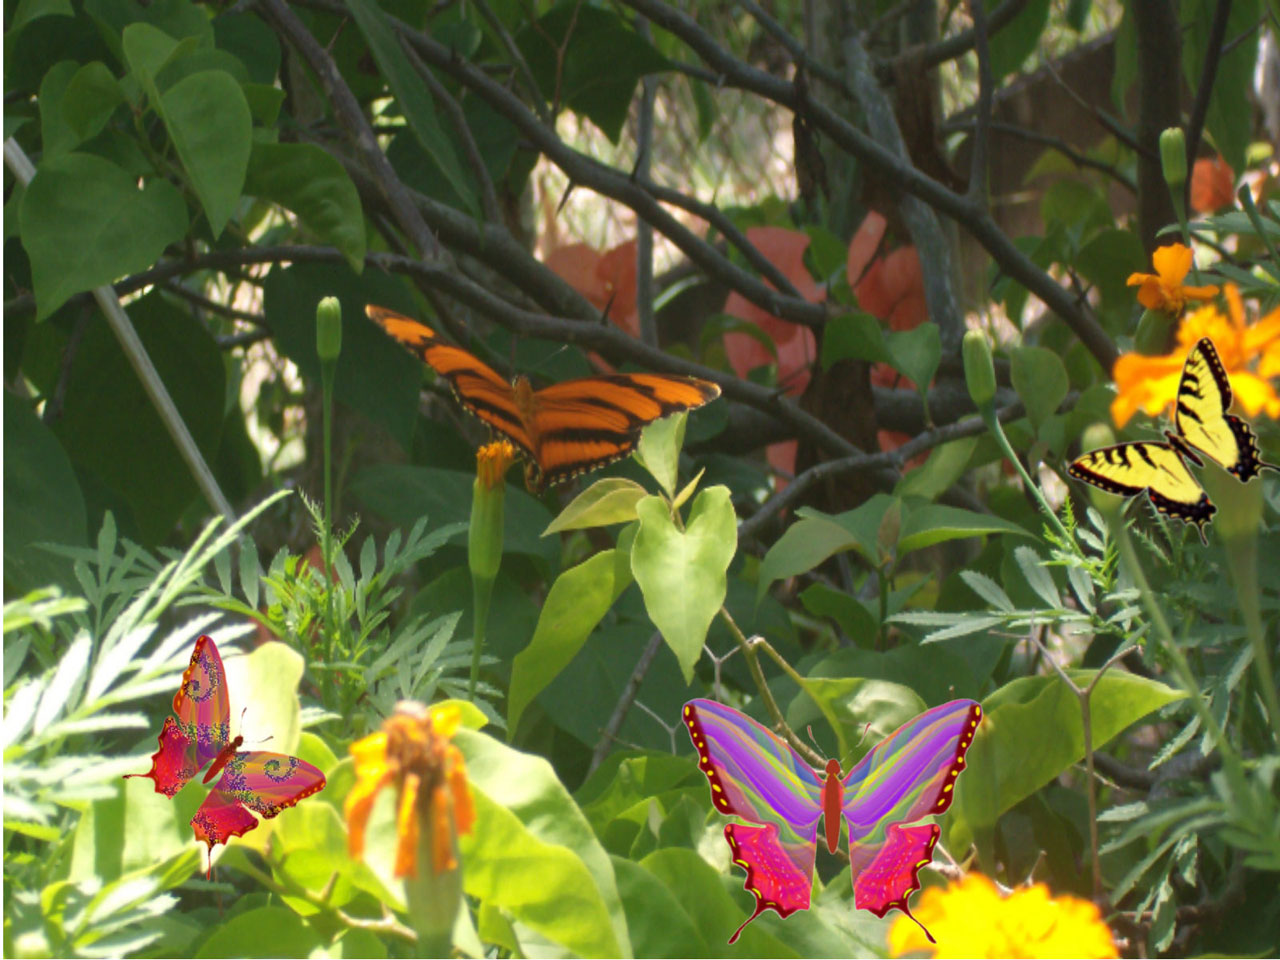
350	116
53	409
521	64
978	223
1057	143
978	171
629	692
644	230
475	161
213	306
1208	75
799	56
962	43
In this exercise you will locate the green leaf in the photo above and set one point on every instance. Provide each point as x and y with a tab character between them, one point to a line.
1041	381
38	475
659	450
92	96
412	96
85	223
946	465
208	121
934	523
262	932
29	10
148	50
916	353
805	544
657	918
860	711
854	619
1012	757
56	135
1011	46
533	852
577	601
587	58
311	183
854	336
606	502
682	573
110	427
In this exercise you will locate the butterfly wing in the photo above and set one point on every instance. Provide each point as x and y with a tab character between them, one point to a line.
909	775
263	782
203	725
757	776
1151	467
1201	417
477	386
580	425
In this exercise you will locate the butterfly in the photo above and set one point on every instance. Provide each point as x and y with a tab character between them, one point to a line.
1202	422
758	776
565	429
265	783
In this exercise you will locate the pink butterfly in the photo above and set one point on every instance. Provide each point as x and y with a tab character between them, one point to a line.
265	783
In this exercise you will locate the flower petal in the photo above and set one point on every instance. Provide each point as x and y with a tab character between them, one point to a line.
358	805
1172	263
407	828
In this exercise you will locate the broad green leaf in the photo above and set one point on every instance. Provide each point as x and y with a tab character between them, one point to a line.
805	544
916	353
657	919
946	464
704	896
208	121
530	816
110	427
1031	731
412	96
577	601
39	476
29	10
606	502
57	136
854	336
682	573
147	51
92	96
262	932
659	450
1019	39
252	41
1040	380
854	619
934	523
85	223
310	182
587	58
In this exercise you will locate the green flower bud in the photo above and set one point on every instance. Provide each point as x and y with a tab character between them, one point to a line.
484	539
1152	336
329	329
979	371
1173	158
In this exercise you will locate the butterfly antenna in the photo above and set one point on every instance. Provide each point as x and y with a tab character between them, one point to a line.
808	728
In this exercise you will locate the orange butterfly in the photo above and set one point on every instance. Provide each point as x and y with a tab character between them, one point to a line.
565	429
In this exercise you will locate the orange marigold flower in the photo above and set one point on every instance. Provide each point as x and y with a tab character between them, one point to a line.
972	919
492	461
1213	185
1163	290
1151	383
414	751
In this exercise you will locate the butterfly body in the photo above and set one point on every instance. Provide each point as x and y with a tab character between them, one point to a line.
564	429
758	777
1202	425
256	780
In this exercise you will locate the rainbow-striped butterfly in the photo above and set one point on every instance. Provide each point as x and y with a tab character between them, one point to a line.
758	776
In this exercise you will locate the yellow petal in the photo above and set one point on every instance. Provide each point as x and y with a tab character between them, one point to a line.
359	803
1151	294
1138	279
464	813
1254	394
1172	263
446	720
407	829
1199	293
370	751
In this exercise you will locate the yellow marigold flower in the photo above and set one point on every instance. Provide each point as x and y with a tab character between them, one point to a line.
1163	290
972	919
1151	383
492	461
413	750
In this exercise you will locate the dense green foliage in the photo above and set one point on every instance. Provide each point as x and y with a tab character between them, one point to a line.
227	167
